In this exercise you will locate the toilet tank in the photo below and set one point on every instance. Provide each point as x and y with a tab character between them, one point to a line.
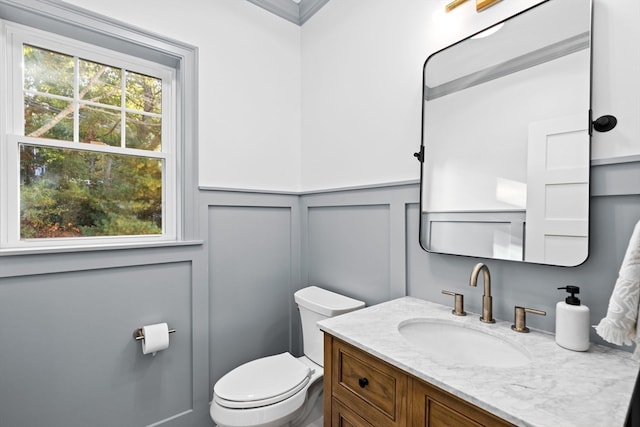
317	304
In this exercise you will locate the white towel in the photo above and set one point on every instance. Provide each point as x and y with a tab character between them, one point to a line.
622	323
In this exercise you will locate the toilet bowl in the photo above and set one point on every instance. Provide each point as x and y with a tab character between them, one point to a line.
281	390
267	392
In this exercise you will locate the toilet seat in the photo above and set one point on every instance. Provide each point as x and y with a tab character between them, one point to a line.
262	382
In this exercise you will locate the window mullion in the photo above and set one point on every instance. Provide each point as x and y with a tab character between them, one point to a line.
69	145
76	99
123	110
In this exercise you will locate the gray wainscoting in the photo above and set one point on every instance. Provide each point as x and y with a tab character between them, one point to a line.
67	353
353	241
253	252
363	242
448	232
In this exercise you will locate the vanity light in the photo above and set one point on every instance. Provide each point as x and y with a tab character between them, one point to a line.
480	4
483	4
452	5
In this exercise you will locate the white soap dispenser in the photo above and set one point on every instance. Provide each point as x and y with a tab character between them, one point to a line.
572	322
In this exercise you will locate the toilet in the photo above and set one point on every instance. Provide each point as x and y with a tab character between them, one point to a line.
281	390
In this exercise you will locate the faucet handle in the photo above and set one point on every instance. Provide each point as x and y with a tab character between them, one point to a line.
459	303
519	316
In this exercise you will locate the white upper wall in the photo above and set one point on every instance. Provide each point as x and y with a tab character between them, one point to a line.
249	89
361	85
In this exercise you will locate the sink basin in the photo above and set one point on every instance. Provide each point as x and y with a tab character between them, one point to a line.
458	344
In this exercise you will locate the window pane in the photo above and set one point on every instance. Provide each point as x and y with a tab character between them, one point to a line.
73	193
100	83
144	132
47	117
144	93
47	71
99	125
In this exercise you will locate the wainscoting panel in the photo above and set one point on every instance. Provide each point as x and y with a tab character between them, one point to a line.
253	272
337	258
68	357
353	241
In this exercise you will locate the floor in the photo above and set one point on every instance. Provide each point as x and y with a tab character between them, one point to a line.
315	419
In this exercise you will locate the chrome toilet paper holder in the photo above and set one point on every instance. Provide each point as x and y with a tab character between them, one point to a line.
139	335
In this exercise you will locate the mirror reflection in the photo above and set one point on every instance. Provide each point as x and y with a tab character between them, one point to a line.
506	139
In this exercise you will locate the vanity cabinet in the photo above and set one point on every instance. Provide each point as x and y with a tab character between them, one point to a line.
364	391
433	407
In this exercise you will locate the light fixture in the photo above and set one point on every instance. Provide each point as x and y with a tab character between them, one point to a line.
480	4
452	5
483	4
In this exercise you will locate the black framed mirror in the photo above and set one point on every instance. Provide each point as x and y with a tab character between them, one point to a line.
506	139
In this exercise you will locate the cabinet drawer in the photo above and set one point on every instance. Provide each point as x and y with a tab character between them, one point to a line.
343	417
433	407
368	385
439	415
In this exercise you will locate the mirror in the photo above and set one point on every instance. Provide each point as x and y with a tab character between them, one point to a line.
506	139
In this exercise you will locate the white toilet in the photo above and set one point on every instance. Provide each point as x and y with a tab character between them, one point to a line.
281	390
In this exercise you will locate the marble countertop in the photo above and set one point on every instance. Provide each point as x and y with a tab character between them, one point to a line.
558	388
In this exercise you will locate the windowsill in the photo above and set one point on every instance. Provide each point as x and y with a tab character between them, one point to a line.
92	248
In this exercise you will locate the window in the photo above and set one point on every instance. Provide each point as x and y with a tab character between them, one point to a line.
89	145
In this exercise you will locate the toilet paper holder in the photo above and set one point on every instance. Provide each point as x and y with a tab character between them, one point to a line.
139	335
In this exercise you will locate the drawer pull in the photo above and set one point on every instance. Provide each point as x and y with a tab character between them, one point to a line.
363	382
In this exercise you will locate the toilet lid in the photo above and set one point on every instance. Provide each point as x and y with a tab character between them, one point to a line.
262	382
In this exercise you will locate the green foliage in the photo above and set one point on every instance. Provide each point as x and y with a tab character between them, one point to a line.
89	194
73	192
42	216
115	224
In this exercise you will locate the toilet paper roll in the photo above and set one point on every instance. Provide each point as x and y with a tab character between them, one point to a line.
156	338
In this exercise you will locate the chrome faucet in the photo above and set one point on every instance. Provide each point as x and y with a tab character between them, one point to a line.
487	301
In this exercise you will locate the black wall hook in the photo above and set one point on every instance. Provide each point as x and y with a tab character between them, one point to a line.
605	123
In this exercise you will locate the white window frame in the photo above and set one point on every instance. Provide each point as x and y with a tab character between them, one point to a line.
12	134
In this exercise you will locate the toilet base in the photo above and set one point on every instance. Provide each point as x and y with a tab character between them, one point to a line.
297	409
305	416
311	416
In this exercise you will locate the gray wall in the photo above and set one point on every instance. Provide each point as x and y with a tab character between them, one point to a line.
67	353
353	241
253	256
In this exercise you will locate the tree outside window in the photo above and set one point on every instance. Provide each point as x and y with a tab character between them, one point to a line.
99	169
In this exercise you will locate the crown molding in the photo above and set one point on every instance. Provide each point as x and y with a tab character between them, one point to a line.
298	13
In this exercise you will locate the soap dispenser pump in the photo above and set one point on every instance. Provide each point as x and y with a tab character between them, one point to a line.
572	321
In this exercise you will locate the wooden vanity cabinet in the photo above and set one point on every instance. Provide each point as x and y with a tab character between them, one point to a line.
364	390
361	390
433	407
